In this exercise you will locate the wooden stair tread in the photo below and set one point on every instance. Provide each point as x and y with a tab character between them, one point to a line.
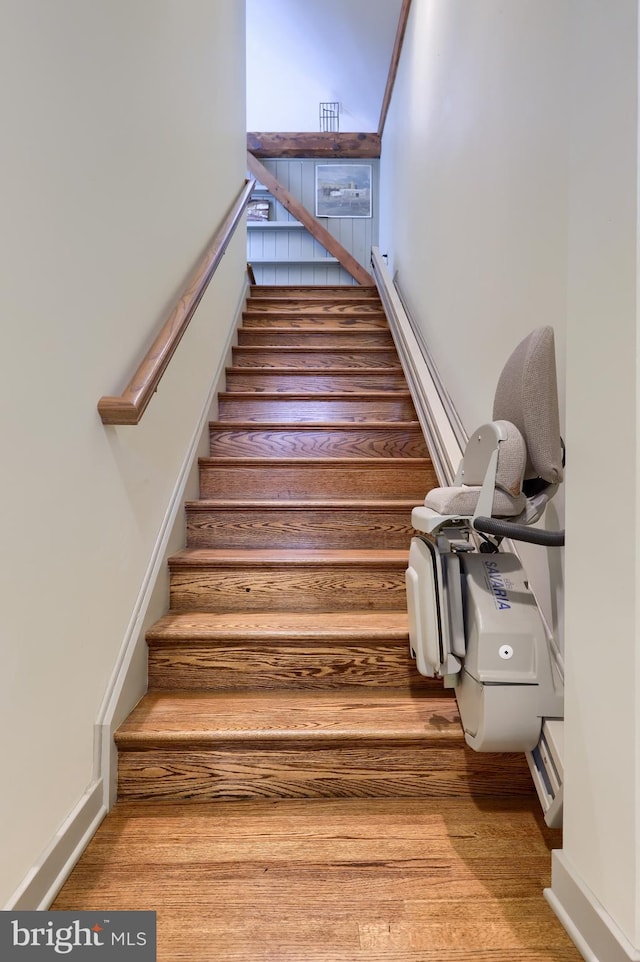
318	718
302	292
318	299
367	349
286	557
278	626
331	338
302	297
241	425
305	308
317	303
312	371
313	290
278	326
318	308
337	331
311	396
284	326
356	318
389	463
208	504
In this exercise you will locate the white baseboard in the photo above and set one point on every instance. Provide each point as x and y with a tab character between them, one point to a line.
48	875
588	924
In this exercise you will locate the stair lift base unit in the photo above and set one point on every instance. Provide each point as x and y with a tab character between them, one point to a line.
480	607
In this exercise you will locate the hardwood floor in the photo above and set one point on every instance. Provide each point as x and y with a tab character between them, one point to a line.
399	880
290	789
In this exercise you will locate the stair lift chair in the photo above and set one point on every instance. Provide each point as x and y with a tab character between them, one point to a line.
472	617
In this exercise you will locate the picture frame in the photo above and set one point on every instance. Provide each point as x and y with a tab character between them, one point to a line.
343	190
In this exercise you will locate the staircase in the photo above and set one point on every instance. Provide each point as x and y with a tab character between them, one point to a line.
282	670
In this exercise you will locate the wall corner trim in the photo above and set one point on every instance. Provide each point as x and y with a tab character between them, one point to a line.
596	935
45	879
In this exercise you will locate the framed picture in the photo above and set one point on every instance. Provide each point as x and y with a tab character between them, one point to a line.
258	210
343	190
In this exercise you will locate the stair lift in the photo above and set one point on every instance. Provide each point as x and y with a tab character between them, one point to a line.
473	619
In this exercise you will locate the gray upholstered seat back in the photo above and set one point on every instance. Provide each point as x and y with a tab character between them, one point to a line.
527	395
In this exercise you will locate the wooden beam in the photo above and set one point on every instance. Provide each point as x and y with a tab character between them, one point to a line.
300	212
395	60
356	145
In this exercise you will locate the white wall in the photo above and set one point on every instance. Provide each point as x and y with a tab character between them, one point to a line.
602	834
123	146
302	53
509	199
475	149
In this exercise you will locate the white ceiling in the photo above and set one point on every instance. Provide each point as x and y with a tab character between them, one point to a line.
302	52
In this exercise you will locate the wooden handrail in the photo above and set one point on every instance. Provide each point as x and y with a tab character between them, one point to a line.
129	407
395	62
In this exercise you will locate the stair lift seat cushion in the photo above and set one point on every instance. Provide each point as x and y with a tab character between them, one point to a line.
461	502
527	395
508	499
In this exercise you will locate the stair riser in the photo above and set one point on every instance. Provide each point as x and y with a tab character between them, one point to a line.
300	359
296	529
291	481
318	383
331	339
317	302
315	587
310	293
298	410
393	771
302	665
357	442
301	308
314	322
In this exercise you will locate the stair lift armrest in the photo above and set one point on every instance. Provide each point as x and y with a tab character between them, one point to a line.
519	532
478	467
429	521
480	463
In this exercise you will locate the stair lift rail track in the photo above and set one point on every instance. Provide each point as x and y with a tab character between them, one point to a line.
446	439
